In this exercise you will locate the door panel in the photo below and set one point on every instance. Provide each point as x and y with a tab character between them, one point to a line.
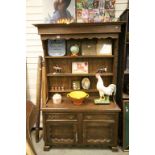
98	132
62	132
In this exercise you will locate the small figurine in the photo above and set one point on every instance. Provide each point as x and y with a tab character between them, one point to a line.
104	92
62	88
57	69
57	98
57	88
74	50
102	70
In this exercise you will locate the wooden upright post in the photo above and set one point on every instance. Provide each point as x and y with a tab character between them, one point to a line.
38	96
44	84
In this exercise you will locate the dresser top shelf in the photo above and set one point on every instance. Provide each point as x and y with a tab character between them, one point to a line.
87	106
97	29
79	57
79	24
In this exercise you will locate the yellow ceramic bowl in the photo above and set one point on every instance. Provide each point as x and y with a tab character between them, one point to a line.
78	94
77	97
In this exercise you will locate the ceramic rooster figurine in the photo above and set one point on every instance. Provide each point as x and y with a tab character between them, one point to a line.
104	92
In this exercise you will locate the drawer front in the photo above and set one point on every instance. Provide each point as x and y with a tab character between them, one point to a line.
99	116
60	116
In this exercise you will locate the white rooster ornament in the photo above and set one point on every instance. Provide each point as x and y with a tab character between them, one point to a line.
107	91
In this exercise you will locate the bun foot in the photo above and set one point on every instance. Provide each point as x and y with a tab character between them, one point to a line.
115	149
47	148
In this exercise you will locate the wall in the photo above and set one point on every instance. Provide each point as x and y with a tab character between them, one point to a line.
35	13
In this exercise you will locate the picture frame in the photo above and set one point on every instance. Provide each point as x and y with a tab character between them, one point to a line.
56	47
88	47
76	85
104	47
95	11
79	67
53	14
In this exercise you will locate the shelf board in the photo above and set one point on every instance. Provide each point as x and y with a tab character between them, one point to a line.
87	106
125	96
79	57
70	74
69	90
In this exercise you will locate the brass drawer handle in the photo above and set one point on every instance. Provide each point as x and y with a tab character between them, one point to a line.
71	117
52	117
89	117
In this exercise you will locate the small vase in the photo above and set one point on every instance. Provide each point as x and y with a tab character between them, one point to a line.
74	50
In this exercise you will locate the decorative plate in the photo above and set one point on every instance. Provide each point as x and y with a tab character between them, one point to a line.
85	83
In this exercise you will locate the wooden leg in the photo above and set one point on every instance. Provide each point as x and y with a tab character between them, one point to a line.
47	148
115	149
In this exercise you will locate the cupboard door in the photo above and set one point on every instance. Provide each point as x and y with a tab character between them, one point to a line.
61	132
98	132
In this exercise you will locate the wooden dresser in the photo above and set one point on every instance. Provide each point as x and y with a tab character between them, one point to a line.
88	124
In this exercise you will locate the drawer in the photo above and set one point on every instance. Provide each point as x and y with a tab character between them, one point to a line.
60	116
99	117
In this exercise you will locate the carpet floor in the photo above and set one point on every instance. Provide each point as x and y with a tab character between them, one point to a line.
73	151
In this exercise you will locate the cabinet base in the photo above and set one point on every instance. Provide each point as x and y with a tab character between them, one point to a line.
47	148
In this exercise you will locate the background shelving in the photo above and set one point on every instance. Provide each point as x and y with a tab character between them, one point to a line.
123	82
